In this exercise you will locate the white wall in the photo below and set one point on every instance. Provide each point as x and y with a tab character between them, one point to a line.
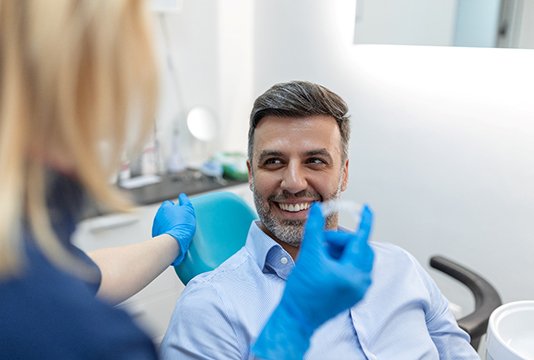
442	137
236	69
447	157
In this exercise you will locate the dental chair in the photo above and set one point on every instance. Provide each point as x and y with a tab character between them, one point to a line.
223	221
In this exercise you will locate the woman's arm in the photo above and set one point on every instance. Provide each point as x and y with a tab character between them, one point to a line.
128	269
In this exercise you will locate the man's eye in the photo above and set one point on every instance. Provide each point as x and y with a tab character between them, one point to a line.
316	161
273	161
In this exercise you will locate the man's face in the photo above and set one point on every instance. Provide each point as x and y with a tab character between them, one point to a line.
295	162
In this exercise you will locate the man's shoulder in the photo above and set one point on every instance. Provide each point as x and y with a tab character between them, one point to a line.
217	311
224	280
236	265
389	249
393	255
232	296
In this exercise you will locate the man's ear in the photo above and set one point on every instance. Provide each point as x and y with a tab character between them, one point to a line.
345	175
249	168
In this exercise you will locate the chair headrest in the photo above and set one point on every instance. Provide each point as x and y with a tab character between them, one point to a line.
223	221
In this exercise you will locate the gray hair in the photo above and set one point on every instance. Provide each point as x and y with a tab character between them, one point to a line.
300	99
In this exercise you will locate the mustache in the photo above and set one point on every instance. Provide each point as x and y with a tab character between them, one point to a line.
304	194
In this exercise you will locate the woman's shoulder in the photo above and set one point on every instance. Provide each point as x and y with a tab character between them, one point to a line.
48	313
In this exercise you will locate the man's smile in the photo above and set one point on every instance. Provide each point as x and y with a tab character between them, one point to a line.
295	207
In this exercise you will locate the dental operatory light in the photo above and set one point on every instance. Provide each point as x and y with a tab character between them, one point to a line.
201	123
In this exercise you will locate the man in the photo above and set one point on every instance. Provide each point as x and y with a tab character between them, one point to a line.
298	155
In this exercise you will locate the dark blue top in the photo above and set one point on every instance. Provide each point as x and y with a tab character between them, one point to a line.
48	313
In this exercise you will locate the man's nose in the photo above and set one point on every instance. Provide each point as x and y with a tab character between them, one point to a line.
294	179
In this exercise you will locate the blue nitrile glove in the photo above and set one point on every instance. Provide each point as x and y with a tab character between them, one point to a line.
178	220
332	273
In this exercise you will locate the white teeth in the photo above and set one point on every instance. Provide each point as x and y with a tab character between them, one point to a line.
294	207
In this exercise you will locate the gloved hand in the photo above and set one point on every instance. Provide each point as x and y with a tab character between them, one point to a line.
177	220
332	273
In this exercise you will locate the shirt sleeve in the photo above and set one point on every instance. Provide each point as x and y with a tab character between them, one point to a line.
450	340
200	327
94	282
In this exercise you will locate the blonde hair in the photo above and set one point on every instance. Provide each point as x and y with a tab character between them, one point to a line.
76	76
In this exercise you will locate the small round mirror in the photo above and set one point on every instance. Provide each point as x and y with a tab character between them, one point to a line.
201	123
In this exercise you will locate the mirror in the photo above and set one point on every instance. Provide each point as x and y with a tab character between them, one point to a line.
473	23
201	123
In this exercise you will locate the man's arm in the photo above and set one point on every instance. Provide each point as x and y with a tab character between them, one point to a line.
200	327
451	341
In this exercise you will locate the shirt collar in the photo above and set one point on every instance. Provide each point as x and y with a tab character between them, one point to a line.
268	254
65	199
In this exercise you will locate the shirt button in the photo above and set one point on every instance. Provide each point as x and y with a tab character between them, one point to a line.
283	260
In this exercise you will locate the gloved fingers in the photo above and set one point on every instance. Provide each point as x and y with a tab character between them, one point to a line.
366	222
166	203
366	257
337	237
314	228
336	241
358	251
359	254
183	199
160	214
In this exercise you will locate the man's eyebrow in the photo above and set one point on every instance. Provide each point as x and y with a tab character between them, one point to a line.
268	153
322	152
316	152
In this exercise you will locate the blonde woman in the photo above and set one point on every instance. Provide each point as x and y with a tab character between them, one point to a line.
77	88
70	72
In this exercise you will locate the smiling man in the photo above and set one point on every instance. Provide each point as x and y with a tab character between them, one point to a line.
298	155
294	162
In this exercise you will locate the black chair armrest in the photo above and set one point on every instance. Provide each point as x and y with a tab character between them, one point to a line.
486	296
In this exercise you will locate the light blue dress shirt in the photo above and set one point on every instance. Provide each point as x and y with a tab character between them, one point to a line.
403	315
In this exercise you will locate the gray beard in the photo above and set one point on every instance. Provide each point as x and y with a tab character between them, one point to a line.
289	231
